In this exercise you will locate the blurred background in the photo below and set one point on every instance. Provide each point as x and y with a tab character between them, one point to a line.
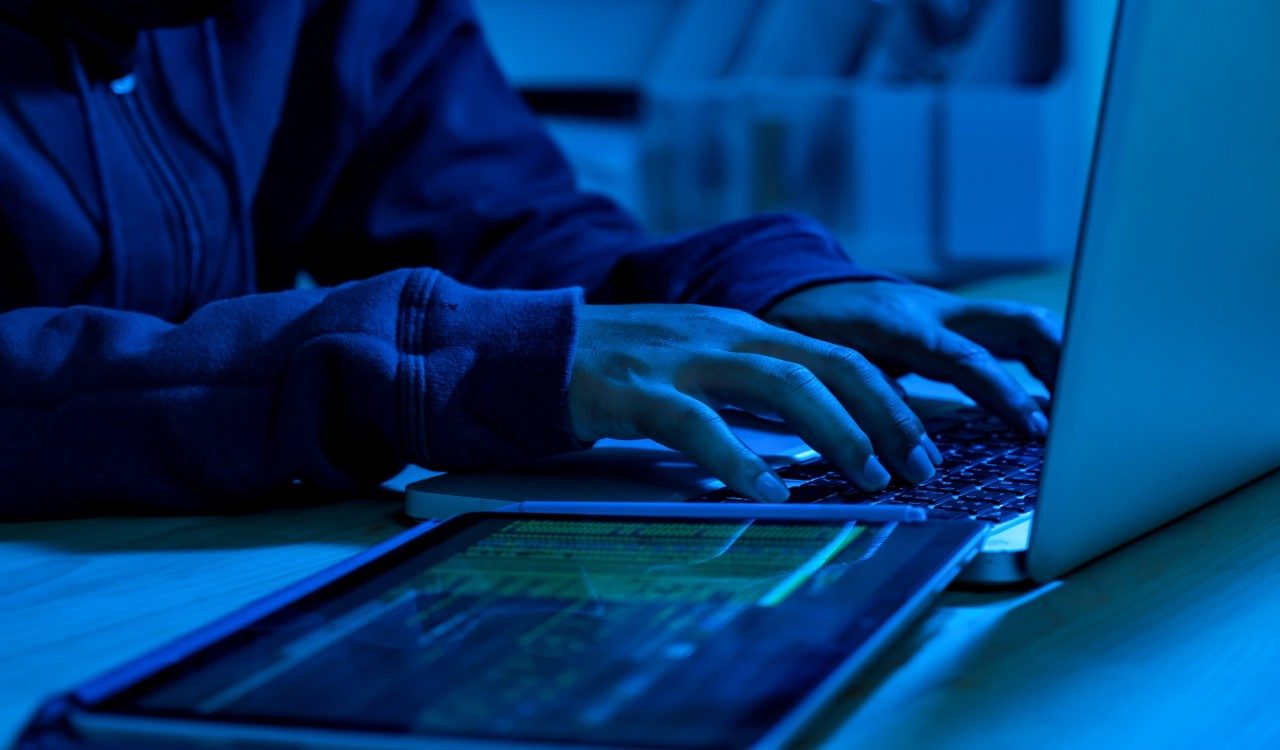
946	140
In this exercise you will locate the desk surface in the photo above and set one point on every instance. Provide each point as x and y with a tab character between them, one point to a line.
1168	642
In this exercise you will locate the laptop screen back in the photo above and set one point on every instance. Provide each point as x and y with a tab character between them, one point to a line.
1166	396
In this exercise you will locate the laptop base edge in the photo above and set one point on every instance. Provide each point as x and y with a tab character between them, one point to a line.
1002	561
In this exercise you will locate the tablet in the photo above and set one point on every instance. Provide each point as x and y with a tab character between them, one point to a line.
518	630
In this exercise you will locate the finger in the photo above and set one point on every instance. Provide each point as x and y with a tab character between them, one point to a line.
894	384
796	394
1031	335
975	371
685	424
895	430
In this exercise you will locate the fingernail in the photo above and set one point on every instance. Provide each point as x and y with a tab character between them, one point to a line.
919	467
1039	424
874	474
771	489
935	455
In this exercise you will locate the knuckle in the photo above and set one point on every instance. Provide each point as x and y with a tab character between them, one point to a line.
1027	317
848	359
1047	321
1035	312
730	324
747	326
690	419
794	379
704	315
905	421
999	308
1023	400
730	316
969	354
1029	314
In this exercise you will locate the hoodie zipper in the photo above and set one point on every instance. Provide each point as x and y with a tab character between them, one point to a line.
125	89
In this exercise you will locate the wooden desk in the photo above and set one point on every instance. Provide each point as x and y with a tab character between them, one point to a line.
1173	641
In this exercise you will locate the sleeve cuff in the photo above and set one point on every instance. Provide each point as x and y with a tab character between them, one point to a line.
484	375
768	257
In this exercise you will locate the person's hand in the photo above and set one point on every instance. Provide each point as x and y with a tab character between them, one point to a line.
661	371
912	328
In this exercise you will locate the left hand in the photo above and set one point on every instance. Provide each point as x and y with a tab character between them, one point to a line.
910	328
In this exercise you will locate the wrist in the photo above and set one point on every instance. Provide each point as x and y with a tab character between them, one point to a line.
485	374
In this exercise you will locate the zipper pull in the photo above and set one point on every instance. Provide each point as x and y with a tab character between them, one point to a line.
124	85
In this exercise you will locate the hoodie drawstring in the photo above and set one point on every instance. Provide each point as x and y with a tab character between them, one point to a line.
112	240
235	170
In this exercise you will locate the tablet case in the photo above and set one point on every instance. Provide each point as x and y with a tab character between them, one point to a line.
50	727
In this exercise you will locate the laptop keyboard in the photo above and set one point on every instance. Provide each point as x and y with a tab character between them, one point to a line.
988	472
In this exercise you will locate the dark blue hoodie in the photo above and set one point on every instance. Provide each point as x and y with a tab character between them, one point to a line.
167	167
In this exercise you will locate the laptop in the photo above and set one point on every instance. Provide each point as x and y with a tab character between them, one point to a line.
1164	397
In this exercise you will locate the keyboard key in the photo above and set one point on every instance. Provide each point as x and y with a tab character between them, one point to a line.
919	502
1019	506
964	506
976	451
1005	485
952	461
808	470
985	464
987	425
942	423
722	495
951	486
987	419
990	496
831	481
925	492
977	473
1014	461
809	494
920	498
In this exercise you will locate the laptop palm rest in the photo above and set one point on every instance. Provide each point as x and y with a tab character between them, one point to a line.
622	470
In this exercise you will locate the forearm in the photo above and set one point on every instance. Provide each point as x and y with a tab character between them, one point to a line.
568	238
104	411
746	265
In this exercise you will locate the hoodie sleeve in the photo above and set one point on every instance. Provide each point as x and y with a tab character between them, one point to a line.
450	168
106	411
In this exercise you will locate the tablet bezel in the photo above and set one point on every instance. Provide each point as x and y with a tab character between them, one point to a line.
98	706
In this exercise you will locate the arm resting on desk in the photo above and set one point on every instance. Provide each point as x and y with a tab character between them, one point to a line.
107	411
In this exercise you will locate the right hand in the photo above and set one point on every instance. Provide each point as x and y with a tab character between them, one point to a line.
661	371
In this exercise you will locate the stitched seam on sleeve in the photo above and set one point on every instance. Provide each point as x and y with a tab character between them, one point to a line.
410	330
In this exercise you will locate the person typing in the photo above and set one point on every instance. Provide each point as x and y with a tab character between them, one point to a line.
168	169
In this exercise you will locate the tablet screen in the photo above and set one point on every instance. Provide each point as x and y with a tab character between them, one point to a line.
616	631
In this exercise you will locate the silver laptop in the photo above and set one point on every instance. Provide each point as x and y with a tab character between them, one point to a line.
1166	394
